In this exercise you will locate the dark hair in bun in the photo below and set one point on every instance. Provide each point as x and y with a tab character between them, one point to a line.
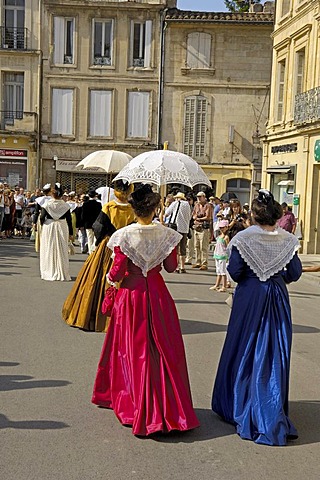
57	191
265	209
144	201
121	185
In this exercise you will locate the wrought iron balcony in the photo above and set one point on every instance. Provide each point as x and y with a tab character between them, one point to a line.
13	38
18	121
307	107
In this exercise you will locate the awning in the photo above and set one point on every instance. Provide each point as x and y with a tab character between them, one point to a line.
285	183
280	169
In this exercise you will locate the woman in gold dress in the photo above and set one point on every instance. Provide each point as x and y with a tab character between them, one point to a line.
82	307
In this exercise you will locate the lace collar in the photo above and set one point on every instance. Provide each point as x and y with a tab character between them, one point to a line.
265	252
146	245
56	208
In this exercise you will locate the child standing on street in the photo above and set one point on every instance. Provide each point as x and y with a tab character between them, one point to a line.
221	257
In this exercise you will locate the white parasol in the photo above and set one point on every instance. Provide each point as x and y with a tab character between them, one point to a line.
162	167
111	161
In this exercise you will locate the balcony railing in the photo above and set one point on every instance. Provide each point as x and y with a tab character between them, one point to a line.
307	107
18	121
13	38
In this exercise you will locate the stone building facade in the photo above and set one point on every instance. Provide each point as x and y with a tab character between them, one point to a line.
216	93
291	163
100	83
20	67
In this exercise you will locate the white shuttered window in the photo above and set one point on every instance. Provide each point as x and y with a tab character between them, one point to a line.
100	113
62	111
281	89
141	40
199	50
63	31
195	118
138	114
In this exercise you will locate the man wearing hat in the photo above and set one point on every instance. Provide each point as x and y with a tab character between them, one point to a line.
90	212
202	216
179	213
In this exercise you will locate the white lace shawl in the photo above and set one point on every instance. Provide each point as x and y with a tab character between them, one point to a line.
42	200
265	252
146	245
56	208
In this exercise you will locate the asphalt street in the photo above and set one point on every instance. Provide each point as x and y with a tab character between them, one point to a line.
49	430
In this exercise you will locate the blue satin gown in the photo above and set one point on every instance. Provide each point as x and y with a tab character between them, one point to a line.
252	382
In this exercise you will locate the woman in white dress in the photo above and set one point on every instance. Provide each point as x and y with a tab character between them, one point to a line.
55	219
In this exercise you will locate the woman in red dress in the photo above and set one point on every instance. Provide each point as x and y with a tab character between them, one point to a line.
142	373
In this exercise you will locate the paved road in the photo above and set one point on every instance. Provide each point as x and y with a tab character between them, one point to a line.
49	430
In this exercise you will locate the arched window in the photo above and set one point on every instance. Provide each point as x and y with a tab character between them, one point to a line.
195	128
241	187
198	50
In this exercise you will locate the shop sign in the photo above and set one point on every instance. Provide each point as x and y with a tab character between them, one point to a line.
13	153
296	199
317	151
288	148
71	166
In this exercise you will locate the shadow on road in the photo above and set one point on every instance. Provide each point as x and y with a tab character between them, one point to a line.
305	415
31	424
189	327
303	294
9	364
211	426
304	329
22	382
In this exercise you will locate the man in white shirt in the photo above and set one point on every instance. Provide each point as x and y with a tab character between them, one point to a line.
179	213
19	198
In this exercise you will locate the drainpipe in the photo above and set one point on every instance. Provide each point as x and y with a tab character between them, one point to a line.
161	77
40	85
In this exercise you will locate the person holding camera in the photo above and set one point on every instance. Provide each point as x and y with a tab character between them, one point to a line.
202	216
237	218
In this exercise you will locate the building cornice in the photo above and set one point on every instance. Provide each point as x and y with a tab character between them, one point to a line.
174	15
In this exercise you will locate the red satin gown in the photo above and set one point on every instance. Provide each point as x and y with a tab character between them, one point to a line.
142	374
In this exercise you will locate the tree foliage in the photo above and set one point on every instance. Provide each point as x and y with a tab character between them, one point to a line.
239	5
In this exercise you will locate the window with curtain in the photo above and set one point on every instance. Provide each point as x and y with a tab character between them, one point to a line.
138	114
62	111
63	38
102	42
141	39
195	119
285	7
13	96
13	18
281	91
198	50
300	69
100	113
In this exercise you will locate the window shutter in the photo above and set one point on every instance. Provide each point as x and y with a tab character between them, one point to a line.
200	128
59	40
189	120
148	42
192	50
138	114
195	126
62	111
100	113
204	50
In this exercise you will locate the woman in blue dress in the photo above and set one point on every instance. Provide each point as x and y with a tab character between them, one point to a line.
252	382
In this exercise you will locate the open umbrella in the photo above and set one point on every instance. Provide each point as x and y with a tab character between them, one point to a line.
111	161
162	167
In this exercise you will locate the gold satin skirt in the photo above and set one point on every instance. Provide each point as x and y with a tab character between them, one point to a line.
82	308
